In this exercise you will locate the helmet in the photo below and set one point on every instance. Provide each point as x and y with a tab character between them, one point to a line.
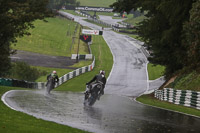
102	72
54	72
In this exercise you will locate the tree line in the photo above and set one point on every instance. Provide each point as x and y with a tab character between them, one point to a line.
171	30
16	17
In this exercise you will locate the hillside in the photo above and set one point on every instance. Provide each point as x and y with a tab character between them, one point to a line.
97	3
187	81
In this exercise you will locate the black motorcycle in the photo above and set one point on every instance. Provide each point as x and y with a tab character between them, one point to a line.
93	92
50	84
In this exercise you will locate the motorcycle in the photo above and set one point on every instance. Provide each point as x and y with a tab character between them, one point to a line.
93	92
50	84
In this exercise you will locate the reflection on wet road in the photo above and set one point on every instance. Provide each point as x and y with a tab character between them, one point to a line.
112	114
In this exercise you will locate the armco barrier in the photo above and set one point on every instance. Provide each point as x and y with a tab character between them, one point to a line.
41	85
68	76
5	82
65	16
181	97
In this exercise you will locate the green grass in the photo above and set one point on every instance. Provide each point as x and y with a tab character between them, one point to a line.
51	38
17	122
190	81
133	36
150	100
155	72
72	12
83	47
134	21
104	61
96	3
82	63
59	71
130	35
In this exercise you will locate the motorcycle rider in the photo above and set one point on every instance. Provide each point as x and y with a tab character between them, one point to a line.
55	78
99	78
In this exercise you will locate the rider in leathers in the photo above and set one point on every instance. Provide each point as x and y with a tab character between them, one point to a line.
100	78
55	78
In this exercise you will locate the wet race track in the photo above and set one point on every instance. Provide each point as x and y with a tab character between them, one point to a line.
112	114
116	112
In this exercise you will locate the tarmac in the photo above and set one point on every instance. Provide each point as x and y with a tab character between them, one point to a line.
112	114
36	59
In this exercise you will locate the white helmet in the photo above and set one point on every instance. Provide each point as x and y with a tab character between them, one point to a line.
102	72
54	72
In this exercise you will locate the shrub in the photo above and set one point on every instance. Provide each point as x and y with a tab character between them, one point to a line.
23	71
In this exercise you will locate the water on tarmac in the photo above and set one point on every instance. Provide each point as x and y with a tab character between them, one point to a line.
112	114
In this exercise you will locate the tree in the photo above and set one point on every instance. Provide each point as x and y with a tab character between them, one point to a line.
162	30
191	38
16	17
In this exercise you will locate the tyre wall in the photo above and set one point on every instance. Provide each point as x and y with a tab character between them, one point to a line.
180	97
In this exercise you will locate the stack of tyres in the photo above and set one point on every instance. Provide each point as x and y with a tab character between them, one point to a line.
17	83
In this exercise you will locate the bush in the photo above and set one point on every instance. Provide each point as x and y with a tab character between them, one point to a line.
23	71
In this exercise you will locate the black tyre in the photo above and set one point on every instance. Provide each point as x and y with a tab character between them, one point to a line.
92	99
49	85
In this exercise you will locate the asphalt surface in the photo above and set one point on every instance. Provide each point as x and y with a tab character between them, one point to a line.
36	59
112	114
116	112
109	20
128	75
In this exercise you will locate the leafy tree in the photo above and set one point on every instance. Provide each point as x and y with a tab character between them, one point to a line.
16	17
191	38
23	71
162	30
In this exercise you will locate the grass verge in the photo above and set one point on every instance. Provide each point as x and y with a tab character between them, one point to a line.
52	38
18	122
155	71
189	81
134	21
96	3
150	100
104	61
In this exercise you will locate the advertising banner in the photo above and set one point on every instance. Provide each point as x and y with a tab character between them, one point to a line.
97	9
92	32
88	8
